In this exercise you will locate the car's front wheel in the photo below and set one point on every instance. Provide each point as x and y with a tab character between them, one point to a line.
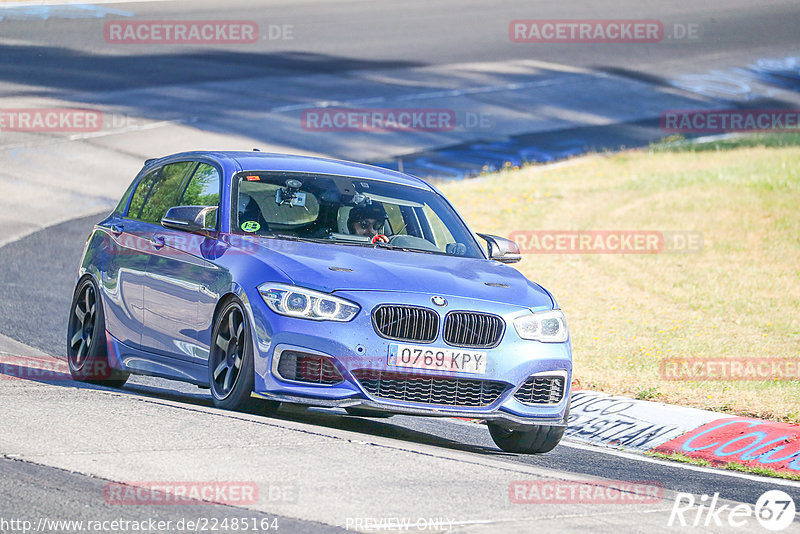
539	439
87	353
231	373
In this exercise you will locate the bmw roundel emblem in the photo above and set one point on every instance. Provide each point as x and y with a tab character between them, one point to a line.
439	301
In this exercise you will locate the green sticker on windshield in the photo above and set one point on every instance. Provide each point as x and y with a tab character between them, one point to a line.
250	226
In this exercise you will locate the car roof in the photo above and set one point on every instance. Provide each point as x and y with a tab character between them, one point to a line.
267	161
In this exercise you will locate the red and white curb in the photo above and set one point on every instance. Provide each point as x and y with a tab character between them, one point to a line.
637	425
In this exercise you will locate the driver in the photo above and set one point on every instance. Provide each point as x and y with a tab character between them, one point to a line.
368	221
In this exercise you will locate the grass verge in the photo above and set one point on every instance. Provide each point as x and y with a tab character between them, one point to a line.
678	457
762	471
738	297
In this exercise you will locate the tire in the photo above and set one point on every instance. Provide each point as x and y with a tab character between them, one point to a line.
539	440
231	374
87	352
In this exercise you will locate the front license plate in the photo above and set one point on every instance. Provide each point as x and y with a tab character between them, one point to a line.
437	359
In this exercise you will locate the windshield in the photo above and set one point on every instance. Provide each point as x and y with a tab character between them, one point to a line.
347	210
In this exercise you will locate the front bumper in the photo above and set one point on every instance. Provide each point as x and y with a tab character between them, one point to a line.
507	420
356	346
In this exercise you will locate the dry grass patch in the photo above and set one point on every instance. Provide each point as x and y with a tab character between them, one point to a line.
737	298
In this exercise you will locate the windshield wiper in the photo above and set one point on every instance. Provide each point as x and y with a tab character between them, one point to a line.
386	246
389	246
292	238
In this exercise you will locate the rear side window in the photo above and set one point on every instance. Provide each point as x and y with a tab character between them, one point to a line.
159	191
139	196
203	190
123	203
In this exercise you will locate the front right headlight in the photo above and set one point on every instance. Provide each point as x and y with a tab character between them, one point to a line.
296	301
547	326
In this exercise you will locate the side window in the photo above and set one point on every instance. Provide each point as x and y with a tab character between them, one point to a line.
203	190
441	234
166	191
396	222
123	202
141	194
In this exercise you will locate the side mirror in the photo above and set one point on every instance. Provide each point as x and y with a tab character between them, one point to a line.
187	218
501	249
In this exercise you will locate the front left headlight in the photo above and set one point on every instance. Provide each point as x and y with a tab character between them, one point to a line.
548	326
303	303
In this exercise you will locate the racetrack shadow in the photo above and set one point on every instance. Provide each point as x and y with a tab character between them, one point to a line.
39	273
382	428
263	95
54	371
61	71
316	417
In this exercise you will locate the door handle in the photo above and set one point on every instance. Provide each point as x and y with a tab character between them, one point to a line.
117	229
157	241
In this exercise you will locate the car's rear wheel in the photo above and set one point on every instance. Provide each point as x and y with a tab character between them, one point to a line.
231	373
538	440
87	353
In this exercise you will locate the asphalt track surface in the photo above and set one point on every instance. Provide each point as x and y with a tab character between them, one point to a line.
31	487
50	56
345	36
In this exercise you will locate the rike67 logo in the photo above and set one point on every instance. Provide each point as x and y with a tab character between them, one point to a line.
774	510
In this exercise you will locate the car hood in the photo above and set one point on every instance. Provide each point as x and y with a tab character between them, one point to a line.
329	268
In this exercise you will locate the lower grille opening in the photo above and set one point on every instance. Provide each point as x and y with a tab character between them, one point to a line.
305	367
442	391
541	390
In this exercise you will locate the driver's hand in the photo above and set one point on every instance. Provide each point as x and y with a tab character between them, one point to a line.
380	238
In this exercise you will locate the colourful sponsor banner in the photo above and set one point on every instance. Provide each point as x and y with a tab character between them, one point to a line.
629	424
743	441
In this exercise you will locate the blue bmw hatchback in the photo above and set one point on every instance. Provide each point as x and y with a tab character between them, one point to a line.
273	279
